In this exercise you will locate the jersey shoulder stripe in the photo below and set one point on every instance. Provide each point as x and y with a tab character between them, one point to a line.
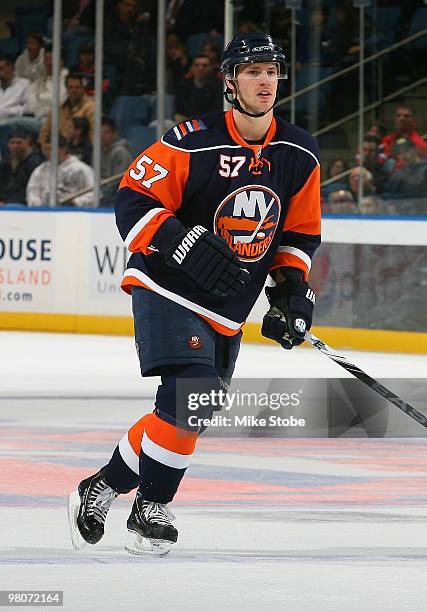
186	127
198	133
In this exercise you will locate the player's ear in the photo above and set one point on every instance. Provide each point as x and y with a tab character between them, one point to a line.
229	85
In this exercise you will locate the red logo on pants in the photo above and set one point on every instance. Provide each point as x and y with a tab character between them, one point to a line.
195	342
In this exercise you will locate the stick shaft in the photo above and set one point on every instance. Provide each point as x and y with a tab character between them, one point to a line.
366	379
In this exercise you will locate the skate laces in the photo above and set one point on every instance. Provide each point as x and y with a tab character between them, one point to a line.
154	512
100	498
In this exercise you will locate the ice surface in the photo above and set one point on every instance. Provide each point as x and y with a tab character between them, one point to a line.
296	525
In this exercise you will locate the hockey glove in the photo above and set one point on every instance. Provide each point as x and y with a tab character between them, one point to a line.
291	310
208	261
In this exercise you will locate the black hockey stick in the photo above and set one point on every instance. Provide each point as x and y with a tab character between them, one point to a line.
368	380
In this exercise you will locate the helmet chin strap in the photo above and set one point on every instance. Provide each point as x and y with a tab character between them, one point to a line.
234	101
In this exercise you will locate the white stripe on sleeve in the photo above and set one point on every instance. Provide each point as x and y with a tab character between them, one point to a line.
141	224
175	297
298	253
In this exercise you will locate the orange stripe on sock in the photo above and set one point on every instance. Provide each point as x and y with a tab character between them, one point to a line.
170	437
136	432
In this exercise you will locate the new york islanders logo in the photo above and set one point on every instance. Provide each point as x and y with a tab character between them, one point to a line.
247	220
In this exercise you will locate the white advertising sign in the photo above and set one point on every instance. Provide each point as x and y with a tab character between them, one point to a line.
107	257
28	271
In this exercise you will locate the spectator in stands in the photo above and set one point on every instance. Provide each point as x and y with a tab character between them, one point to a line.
16	170
371	205
86	68
338	166
410	180
40	94
377	129
212	51
78	17
368	184
178	63
29	65
200	93
129	50
77	104
342	202
116	156
375	162
404	121
13	91
13	95
73	175
76	133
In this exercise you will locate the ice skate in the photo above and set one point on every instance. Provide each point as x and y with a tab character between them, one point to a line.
151	532
88	506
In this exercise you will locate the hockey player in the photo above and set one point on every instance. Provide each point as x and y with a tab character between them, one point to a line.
207	212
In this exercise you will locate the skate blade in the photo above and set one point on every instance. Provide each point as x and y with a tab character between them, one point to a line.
147	547
73	511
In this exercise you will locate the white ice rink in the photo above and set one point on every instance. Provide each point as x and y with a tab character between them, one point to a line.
265	524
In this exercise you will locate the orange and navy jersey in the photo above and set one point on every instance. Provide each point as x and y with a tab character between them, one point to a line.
263	199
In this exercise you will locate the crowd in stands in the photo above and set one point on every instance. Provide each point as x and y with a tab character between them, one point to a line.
392	164
15	171
73	175
393	171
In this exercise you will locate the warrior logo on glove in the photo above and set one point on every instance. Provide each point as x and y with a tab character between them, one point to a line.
208	261
187	242
247	220
291	310
300	325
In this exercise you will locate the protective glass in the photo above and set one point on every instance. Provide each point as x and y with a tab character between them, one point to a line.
255	72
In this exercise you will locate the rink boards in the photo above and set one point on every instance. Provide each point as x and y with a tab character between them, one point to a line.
60	271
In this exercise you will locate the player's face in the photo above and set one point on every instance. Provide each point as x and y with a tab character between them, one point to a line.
257	86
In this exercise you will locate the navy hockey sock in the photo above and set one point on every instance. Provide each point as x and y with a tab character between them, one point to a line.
168	443
119	475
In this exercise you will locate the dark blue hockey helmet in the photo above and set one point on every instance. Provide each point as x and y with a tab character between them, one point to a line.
251	48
